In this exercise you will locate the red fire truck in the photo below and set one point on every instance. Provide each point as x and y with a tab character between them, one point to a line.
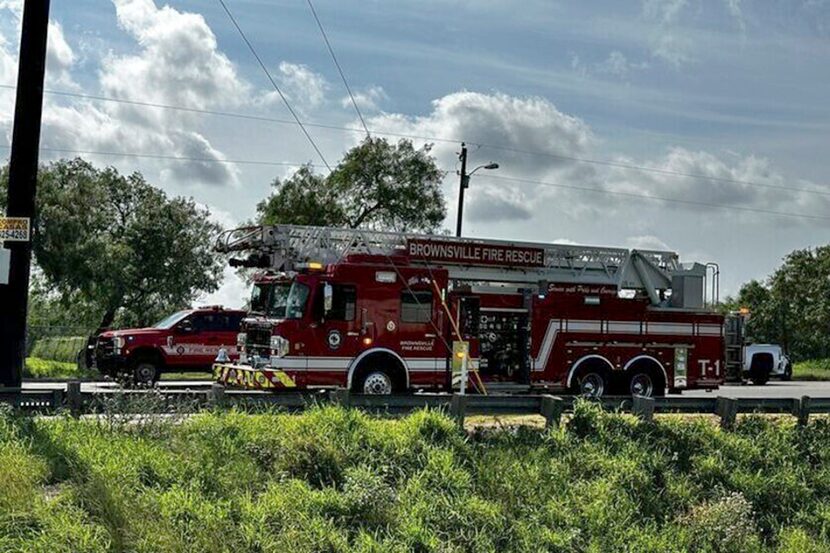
382	313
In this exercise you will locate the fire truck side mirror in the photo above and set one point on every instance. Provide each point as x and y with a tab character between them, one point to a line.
328	298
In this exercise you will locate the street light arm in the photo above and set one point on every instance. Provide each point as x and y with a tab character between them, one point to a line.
489	166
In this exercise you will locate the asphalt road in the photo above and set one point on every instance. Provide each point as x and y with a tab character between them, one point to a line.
774	388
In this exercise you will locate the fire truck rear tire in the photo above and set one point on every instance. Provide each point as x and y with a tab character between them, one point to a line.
592	383
646	381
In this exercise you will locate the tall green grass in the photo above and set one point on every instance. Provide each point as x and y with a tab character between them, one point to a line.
338	480
58	348
816	369
36	367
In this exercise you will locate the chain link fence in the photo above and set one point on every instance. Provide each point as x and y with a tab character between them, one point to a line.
57	352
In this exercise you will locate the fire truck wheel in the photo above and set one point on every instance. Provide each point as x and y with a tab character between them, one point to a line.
641	385
145	372
592	384
377	382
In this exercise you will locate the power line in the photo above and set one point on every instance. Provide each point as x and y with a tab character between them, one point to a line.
436	139
171	157
339	69
656	170
233	114
487	176
658	198
274	83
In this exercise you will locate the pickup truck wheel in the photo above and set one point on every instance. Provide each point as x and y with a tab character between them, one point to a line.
145	372
759	378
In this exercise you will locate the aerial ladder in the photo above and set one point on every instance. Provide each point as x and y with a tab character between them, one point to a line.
289	247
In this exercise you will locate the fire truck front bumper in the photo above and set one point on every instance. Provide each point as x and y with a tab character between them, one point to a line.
245	376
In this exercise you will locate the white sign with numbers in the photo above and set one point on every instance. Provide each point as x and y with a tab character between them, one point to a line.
5	262
14	229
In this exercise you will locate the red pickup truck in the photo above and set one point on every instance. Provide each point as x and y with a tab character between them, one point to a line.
188	340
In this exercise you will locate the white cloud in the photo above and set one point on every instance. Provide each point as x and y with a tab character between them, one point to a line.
664	11
233	290
302	85
177	63
743	182
526	124
368	100
667	40
646	242
60	57
618	65
491	204
734	9
232	293
522	126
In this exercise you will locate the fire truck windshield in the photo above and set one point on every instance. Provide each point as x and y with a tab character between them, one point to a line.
297	299
270	298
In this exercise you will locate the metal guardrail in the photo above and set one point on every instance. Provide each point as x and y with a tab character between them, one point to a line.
76	402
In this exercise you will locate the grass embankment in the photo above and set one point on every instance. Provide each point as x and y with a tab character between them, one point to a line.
335	480
56	357
818	369
47	368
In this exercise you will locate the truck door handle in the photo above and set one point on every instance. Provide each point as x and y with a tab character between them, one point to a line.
353	334
429	335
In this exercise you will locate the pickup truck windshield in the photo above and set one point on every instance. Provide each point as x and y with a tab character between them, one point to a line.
297	299
270	298
169	321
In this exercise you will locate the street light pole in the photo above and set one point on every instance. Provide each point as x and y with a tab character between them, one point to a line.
462	184
465	183
23	162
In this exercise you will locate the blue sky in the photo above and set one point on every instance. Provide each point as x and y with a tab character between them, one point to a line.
730	89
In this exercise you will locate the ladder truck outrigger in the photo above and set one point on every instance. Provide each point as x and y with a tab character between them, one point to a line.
388	312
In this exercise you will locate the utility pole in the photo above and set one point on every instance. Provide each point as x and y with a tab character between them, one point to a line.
463	183
23	163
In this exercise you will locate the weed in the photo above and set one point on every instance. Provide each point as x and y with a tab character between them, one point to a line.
339	480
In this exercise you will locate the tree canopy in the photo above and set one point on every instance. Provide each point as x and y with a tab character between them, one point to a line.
793	307
377	185
119	246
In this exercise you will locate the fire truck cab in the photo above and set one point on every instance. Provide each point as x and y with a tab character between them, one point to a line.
380	313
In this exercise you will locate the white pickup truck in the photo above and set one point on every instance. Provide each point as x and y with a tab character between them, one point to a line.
765	361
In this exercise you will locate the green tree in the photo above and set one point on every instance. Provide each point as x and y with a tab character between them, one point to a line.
119	246
305	198
377	185
793	307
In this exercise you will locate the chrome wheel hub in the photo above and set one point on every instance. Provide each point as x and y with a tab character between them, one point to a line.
641	385
592	385
377	383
